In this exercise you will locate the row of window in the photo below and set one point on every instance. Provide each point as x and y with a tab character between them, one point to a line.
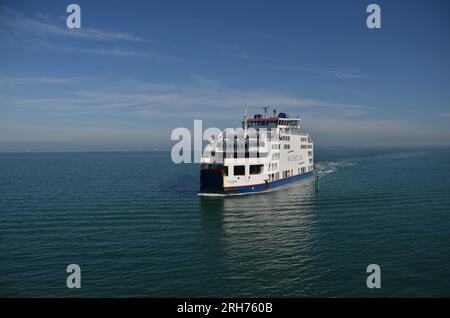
262	123
240	144
288	173
292	123
273	166
274	176
255	144
254	169
257	154
239	170
285	138
246	154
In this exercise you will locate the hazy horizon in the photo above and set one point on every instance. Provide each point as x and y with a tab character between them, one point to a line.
169	149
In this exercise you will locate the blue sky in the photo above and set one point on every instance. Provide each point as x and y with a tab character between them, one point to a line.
136	70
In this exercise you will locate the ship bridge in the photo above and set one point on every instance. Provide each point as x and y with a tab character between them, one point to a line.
281	120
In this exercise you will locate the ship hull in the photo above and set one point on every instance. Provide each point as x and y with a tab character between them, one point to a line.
210	183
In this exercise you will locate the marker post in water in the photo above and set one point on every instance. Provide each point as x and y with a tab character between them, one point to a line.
317	184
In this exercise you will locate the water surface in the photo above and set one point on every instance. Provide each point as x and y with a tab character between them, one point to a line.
133	222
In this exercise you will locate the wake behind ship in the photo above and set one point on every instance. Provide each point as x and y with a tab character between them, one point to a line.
269	152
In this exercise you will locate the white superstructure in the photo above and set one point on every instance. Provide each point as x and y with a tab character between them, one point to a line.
269	151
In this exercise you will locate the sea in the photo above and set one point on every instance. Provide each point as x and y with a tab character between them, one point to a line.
136	226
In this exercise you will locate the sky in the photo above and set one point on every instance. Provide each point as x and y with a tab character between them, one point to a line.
138	69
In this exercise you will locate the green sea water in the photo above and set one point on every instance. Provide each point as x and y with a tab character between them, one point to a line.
135	225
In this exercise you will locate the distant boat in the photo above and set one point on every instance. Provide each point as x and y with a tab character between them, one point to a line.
283	154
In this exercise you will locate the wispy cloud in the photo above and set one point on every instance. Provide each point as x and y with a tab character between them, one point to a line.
235	51
198	95
17	23
241	53
40	31
114	51
9	81
371	132
345	75
126	102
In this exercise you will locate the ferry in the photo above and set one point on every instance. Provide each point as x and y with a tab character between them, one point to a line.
269	151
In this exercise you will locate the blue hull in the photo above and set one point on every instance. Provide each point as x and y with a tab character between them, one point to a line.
251	188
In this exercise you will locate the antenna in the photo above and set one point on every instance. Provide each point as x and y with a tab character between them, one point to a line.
245	120
265	111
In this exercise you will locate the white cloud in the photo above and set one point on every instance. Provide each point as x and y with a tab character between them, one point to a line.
102	51
199	93
9	81
17	29
271	61
345	75
238	52
332	123
365	132
17	23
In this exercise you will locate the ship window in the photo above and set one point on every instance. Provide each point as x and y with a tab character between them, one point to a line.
256	169
239	170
